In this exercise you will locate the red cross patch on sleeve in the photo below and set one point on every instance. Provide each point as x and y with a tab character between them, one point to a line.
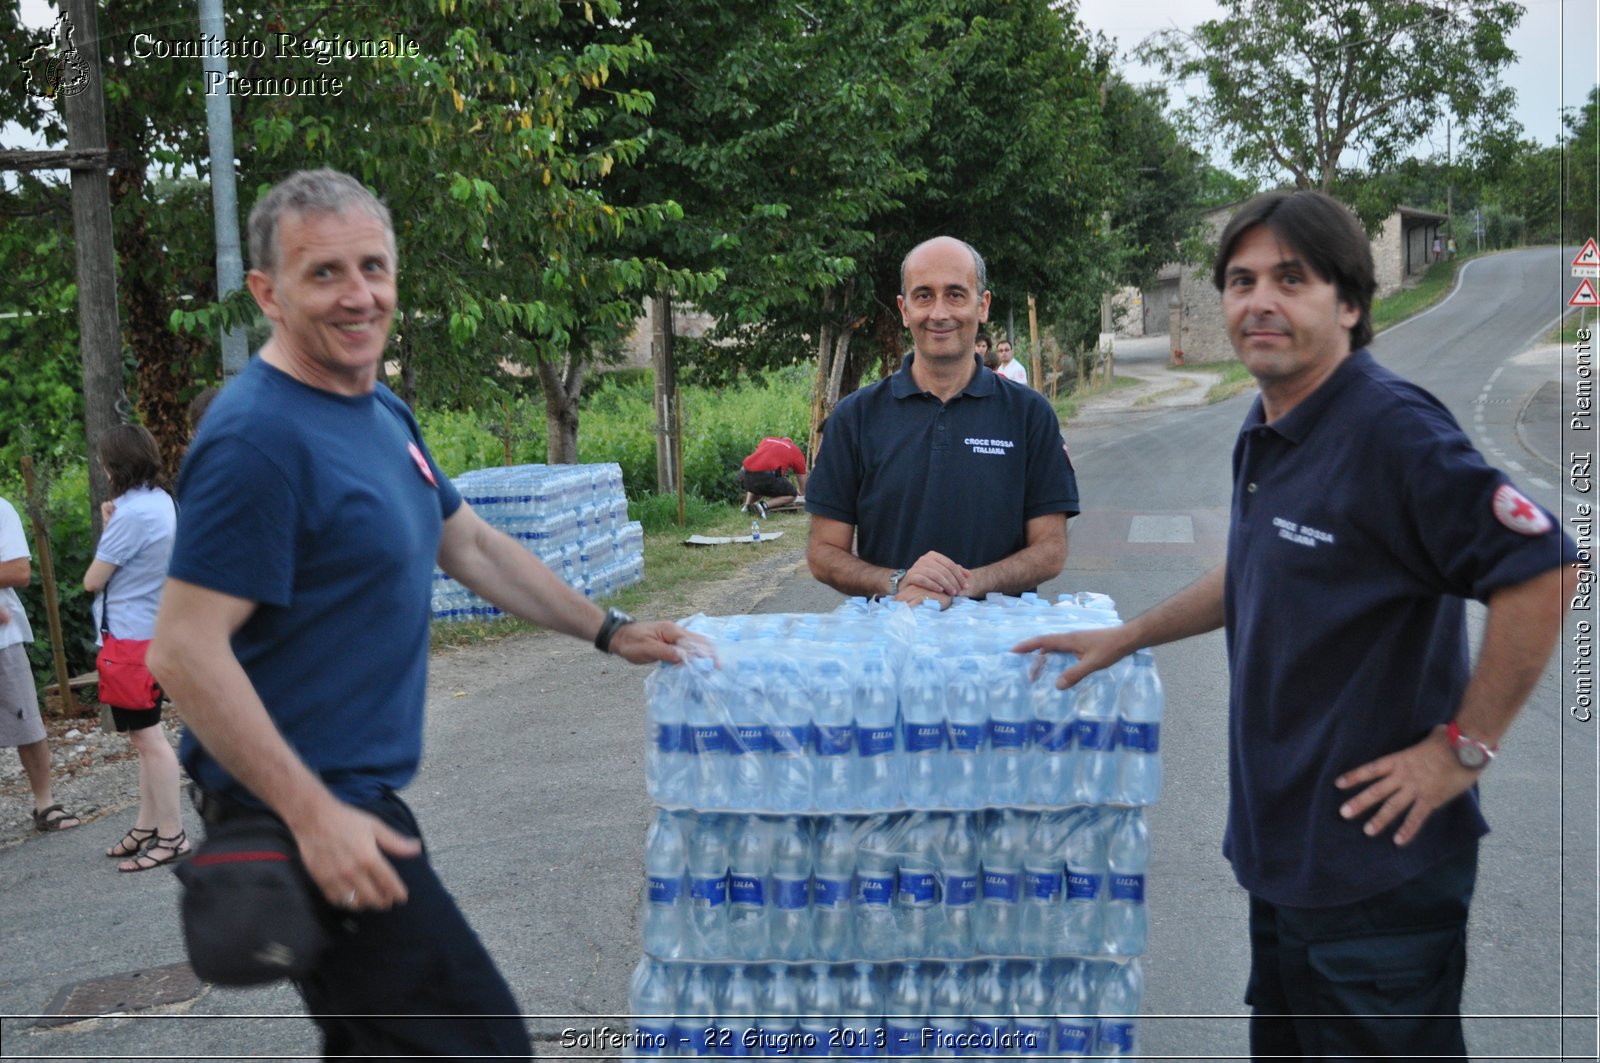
1513	509
427	473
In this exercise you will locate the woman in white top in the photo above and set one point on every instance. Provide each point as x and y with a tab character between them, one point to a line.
129	568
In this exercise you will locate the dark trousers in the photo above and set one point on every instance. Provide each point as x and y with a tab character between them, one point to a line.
413	982
1376	979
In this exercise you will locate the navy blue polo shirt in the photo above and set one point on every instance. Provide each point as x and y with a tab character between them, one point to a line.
963	477
1362	519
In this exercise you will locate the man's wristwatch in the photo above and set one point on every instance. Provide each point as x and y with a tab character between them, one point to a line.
894	581
1470	752
615	618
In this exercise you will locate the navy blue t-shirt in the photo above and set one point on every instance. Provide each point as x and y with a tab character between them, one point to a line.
326	510
1361	521
963	477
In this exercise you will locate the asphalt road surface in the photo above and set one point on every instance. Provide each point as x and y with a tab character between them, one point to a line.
532	794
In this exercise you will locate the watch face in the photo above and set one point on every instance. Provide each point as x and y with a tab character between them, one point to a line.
1470	754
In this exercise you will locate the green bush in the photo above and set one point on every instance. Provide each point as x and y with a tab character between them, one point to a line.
66	514
617	424
659	512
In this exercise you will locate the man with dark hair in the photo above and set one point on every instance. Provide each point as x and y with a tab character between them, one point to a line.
293	628
948	482
1362	518
984	350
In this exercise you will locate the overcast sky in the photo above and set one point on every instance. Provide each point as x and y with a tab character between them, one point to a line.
1557	46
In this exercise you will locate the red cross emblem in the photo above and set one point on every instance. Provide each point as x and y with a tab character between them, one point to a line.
1513	509
422	463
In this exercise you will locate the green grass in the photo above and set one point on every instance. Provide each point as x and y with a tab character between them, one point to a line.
1066	405
1236	379
1571	325
1409	302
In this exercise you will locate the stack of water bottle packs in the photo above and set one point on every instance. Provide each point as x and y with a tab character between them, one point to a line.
880	832
573	517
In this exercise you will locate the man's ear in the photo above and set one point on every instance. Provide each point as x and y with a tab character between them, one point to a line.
261	287
983	310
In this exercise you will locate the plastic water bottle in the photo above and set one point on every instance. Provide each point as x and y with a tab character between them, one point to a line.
834	712
708	736
1082	927
793	736
1051	778
708	890
820	1005
790	905
1127	925
749	864
948	1007
922	708
877	779
967	709
666	866
962	871
1034	1024
736	1013
1010	721
779	1003
833	890
1040	924
697	1014
1120	996
861	1014
670	757
750	734
991	1012
653	1005
1141	704
755	531
917	908
877	874
1074	1008
906	1013
1095	731
1004	837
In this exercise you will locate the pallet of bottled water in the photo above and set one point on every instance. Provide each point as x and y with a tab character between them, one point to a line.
574	518
881	832
876	707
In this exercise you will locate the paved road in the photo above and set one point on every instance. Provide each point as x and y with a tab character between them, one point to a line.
532	791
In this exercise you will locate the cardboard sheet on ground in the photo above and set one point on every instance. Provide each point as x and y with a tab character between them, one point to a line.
724	540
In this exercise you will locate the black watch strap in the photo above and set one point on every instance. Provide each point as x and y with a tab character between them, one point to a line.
615	618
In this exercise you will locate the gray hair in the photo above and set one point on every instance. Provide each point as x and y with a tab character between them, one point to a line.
977	263
322	191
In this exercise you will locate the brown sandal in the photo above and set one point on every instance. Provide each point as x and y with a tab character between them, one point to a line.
44	822
133	843
177	848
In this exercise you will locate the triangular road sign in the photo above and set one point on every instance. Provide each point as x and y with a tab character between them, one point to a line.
1589	256
1585	295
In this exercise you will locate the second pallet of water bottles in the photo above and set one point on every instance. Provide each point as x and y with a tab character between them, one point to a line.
896	886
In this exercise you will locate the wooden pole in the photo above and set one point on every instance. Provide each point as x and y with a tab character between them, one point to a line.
47	570
677	451
1033	343
100	336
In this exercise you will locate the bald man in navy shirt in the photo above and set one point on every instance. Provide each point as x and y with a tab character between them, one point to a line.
948	479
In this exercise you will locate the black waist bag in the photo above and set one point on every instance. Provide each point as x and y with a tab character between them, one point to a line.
251	913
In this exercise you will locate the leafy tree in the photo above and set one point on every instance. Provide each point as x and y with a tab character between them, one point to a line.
1581	201
1296	86
1157	203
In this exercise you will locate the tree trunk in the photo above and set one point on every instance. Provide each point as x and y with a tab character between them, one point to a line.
562	388
820	387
